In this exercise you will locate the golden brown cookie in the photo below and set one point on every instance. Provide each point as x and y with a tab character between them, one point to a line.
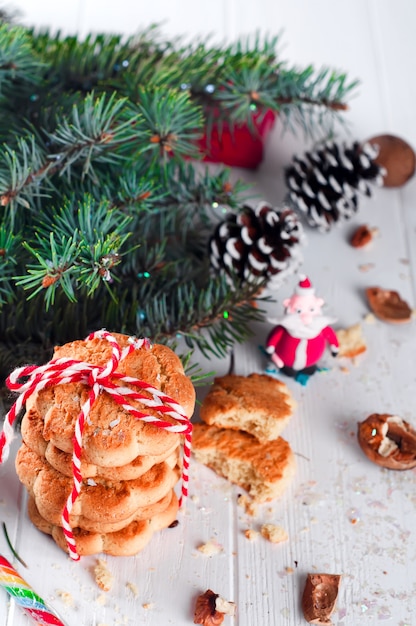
112	436
129	467
263	469
103	501
32	428
158	365
125	542
143	512
258	404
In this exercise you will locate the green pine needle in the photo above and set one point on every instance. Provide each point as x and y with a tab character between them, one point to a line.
13	551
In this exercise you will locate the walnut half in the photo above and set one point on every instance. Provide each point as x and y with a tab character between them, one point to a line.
388	440
210	609
319	598
361	236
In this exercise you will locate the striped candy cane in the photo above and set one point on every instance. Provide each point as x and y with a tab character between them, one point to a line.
97	378
27	599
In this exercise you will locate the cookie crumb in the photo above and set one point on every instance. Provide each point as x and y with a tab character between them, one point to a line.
133	588
370	318
65	596
274	533
247	504
148	605
351	341
210	548
103	576
251	534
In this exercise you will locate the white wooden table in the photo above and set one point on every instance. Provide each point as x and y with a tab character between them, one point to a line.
343	514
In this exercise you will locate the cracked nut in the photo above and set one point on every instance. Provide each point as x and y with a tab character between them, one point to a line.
388	440
361	236
205	610
319	598
396	157
210	609
388	305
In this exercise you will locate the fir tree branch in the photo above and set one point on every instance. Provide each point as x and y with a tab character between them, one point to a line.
22	171
94	134
173	122
18	62
104	221
9	258
82	251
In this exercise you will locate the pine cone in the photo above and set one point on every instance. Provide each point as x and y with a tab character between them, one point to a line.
257	245
325	184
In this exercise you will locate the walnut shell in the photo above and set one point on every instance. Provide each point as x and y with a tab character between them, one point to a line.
319	598
388	305
361	236
388	440
397	157
205	610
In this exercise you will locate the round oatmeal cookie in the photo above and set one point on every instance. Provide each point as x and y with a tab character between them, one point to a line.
101	502
125	542
32	429
112	437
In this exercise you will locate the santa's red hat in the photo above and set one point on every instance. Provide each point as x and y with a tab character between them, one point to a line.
304	286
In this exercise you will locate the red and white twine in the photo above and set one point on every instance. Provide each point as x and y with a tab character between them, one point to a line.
97	378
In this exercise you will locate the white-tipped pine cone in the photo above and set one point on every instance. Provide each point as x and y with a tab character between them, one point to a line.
258	245
325	184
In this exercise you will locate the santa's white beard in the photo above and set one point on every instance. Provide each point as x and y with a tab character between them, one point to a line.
294	325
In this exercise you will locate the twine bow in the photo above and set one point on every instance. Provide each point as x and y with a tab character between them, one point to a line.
97	378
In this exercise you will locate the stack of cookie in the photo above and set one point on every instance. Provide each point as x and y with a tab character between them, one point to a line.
129	467
239	438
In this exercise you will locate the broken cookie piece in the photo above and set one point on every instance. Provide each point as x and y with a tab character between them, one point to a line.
319	598
388	440
351	341
103	577
210	548
263	470
257	404
274	533
388	305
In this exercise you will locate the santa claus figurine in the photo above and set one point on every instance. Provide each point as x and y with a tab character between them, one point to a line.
297	343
